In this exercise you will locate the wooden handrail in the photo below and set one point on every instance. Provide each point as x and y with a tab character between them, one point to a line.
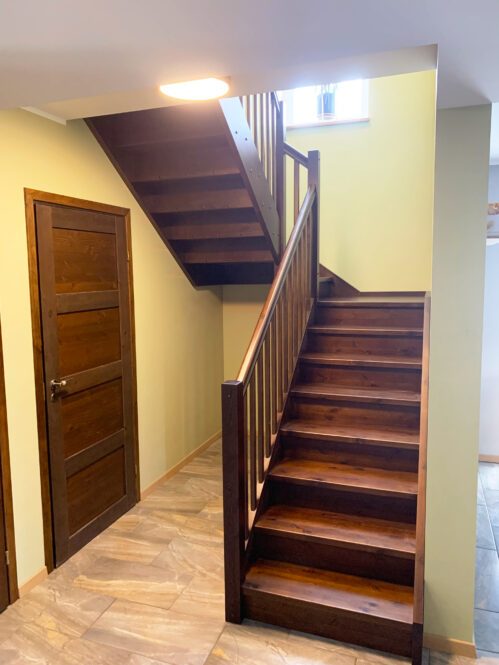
262	325
295	154
252	405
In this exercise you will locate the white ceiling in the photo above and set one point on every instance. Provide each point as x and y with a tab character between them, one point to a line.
55	50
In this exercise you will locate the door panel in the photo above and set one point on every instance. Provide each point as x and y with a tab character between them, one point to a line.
86	330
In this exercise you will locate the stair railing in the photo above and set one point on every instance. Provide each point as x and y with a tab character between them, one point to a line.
252	405
265	117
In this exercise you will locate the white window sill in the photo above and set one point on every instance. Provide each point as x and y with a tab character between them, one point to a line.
328	123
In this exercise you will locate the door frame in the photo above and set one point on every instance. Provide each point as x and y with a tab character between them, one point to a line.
31	197
6	487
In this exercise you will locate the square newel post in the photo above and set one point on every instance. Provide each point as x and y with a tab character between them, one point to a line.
314	179
234	499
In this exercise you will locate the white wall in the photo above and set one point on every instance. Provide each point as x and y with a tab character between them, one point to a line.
489	413
461	183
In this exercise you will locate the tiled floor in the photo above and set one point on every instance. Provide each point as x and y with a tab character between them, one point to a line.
487	560
149	591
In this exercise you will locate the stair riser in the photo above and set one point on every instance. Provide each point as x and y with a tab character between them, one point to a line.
352	502
348	413
379	564
363	454
364	345
409	317
333	623
361	377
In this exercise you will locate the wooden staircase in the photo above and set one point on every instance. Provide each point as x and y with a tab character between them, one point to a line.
210	178
324	453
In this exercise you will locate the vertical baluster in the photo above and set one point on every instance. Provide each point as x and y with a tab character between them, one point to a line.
289	299
260	414
262	131
246	462
252	441
285	338
302	282
255	120
280	351
273	120
296	185
273	373
247	108
267	393
270	145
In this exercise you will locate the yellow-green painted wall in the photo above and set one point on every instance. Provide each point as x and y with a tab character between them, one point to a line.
377	187
461	184
179	329
242	305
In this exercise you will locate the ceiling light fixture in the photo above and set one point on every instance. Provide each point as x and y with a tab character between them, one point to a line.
210	88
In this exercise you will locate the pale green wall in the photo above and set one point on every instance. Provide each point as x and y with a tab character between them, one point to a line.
178	328
377	187
242	305
461	181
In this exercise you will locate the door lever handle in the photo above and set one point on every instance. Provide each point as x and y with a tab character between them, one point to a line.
56	388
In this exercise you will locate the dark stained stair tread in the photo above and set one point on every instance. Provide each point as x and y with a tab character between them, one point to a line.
345	476
365	330
373	301
357	394
360	360
334	590
366	533
326	430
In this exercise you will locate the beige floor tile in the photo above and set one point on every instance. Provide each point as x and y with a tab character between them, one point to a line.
203	596
134	581
34	645
163	635
128	546
186	557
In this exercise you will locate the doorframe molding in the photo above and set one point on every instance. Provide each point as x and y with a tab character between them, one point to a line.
6	486
31	196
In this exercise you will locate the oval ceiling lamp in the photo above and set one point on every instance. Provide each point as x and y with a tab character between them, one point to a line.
210	88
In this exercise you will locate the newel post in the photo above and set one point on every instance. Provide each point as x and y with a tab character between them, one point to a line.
234	475
314	179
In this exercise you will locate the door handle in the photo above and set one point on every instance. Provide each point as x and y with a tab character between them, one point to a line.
56	388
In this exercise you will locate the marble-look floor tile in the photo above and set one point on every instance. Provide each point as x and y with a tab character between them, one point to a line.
492	501
489	474
36	646
164	635
487	658
484	535
487	630
126	522
190	558
64	609
255	645
142	583
480	493
128	546
203	596
84	652
177	500
487	580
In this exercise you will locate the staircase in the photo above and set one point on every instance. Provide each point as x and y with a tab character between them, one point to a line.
209	177
324	436
324	430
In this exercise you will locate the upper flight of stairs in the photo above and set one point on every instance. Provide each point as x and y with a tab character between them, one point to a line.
192	168
333	549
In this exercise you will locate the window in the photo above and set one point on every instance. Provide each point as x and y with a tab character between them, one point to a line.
327	104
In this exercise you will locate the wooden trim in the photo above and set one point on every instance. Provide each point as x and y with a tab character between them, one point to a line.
423	438
329	123
489	458
30	197
176	468
33	581
449	645
6	486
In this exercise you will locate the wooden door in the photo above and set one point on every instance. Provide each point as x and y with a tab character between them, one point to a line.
4	572
88	370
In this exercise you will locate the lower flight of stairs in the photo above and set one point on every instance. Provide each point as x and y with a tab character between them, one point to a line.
333	549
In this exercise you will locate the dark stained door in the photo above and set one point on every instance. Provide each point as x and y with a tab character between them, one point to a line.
4	578
88	372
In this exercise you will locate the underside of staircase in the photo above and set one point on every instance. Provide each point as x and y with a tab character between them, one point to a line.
334	542
196	172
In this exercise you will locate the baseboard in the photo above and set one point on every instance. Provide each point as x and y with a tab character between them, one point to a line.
489	458
32	582
175	469
449	645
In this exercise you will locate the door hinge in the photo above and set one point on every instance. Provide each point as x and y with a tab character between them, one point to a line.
7	557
